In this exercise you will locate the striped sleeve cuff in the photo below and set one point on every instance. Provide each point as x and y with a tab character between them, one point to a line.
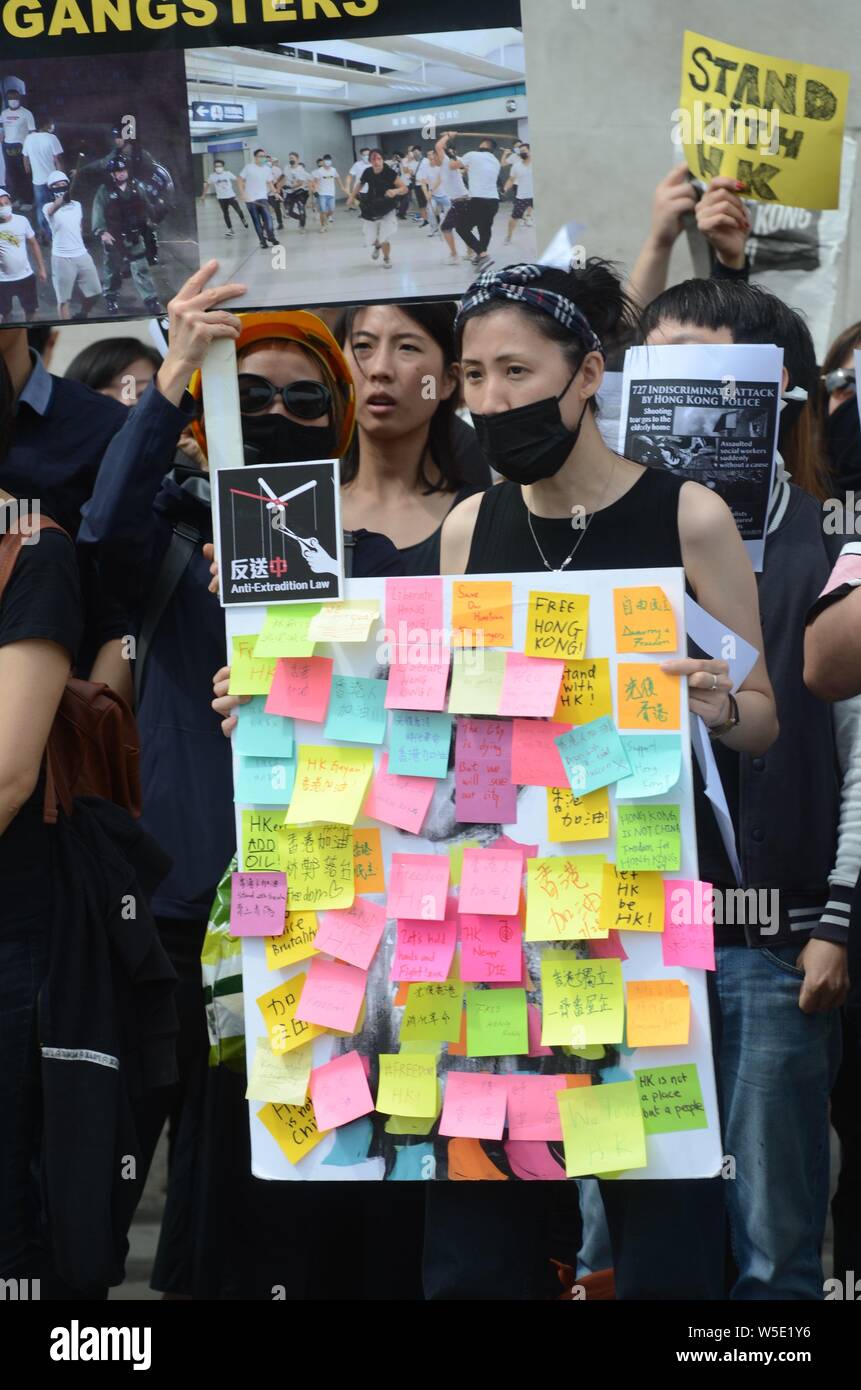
845	576
833	923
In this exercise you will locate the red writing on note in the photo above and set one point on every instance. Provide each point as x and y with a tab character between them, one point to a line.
484	791
424	951
491	949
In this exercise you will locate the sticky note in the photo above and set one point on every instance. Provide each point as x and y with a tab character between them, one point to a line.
602	1129
656	763
349	621
332	994
491	949
632	900
297	942
293	1127
481	613
368	870
535	758
644	620
357	710
533	1114
563	897
249	674
424	950
340	1091
432	1012
408	1084
260	840
571	817
330	784
282	1077
265	781
491	881
671	1098
278	1007
257	904
536	1048
418	884
413	613
582	1000
418	685
593	755
659	1013
474	1105
455	857
556	625
484	791
301	687
585	692
399	801
530	686
689	937
506	842
353	933
607	948
318	861
285	630
477	675
496	1023
261	735
647	698
648	837
420	744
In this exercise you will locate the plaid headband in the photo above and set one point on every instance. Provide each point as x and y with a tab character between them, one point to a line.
513	284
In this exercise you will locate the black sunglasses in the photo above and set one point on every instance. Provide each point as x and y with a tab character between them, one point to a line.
307	399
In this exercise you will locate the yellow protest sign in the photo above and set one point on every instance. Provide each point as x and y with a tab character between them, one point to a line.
563	898
278	1007
571	817
556	625
330	784
293	1127
297	943
632	900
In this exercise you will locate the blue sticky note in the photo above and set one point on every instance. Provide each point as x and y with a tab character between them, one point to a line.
420	744
262	735
593	755
656	762
265	781
357	711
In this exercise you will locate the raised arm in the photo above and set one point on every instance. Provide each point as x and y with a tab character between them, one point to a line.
674	196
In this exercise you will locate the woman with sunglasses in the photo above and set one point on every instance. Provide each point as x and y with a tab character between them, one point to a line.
840	410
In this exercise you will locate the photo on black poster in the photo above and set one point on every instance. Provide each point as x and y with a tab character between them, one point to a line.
280	533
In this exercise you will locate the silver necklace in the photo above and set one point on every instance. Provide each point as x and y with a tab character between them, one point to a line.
580	538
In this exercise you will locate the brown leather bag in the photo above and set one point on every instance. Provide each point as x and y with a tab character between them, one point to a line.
93	748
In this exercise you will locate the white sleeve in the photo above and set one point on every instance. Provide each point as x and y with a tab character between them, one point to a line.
847	732
58	148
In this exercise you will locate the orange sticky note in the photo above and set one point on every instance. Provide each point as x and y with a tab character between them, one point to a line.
659	1013
481	613
368	871
648	698
585	692
644	620
278	1007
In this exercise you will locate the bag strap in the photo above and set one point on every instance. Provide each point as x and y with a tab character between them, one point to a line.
184	541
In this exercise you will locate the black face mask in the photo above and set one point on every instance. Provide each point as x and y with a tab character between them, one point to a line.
530	443
843	432
277	439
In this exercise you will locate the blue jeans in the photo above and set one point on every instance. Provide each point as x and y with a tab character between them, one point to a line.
262	219
42	195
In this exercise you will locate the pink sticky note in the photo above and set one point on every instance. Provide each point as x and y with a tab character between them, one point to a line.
424	951
340	1091
535	759
258	903
532	1109
333	994
352	933
505	842
413	614
484	790
418	687
301	687
533	1020
474	1106
490	881
491	949
399	801
608	947
418	884
530	686
688	937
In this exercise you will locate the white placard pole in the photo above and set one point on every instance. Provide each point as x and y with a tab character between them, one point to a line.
223	423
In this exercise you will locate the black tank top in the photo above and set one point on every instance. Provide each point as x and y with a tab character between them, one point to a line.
641	530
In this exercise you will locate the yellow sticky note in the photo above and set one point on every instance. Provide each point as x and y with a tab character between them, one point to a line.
571	817
645	621
563	898
330	784
602	1128
249	674
585	692
293	1127
481	613
408	1084
285	630
581	1000
278	1007
297	943
476	681
318	862
556	625
368	871
261	840
406	1124
632	900
648	698
659	1013
279	1076
349	621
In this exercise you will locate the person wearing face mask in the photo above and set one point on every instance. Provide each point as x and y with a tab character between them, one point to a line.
255	186
295	190
324	185
842	421
16	123
41	151
521	180
276	176
71	263
121	218
222	181
17	277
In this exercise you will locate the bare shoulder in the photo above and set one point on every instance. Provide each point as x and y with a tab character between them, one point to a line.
457	533
703	516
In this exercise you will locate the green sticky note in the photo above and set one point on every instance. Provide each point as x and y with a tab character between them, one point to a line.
455	854
656	764
648	837
249	674
602	1128
285	631
419	744
433	1012
476	681
265	781
408	1084
262	735
589	1054
496	1023
671	1098
357	711
582	1000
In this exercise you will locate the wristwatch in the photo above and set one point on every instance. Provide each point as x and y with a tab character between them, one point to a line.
718	730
